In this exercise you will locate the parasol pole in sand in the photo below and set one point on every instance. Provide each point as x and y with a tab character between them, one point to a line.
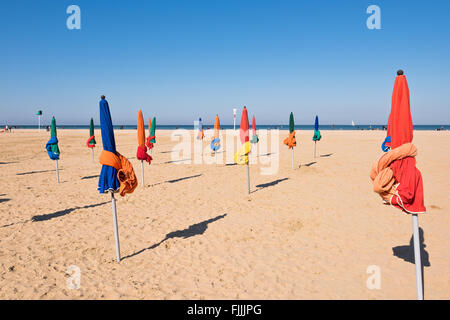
142	169
57	171
248	176
417	258
315	143
116	229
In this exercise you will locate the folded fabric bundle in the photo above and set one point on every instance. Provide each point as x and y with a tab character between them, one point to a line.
50	149
290	141
125	173
397	180
241	156
215	144
149	142
317	136
90	143
141	154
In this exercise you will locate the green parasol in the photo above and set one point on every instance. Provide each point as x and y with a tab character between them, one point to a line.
91	133
55	148
291	123
152	130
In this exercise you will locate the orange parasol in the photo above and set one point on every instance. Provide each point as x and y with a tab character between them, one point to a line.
141	153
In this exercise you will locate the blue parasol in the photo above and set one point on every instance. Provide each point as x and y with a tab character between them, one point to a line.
108	176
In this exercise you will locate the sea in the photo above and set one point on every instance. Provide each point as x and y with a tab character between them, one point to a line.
259	127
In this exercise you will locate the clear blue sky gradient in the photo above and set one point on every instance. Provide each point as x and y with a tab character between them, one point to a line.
178	60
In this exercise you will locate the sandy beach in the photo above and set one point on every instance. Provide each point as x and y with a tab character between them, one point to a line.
193	232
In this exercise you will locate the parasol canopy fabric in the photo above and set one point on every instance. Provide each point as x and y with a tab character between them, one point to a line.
290	141
216	127
39	113
401	175
291	123
108	176
215	143
317	136
244	129
200	134
153	131
150	137
52	144
141	153
140	129
400	127
90	143
255	138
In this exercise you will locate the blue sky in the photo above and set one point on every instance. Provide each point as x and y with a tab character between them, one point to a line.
178	60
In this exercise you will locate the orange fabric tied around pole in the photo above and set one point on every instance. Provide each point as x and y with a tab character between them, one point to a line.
382	175
89	140
290	141
125	172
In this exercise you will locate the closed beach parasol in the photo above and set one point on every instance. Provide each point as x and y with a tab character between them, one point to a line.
395	176
255	138
241	156
52	146
141	153
200	134
117	173
290	140
39	114
90	143
215	143
152	138
317	136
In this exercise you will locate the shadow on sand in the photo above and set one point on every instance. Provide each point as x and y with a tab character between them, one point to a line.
90	177
33	172
269	184
48	216
191	231
307	164
326	155
406	253
4	200
174	161
176	180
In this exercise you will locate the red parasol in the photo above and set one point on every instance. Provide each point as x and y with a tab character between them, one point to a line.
409	195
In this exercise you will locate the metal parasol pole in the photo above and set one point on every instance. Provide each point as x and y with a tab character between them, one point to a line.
292	158
248	177
417	260
116	230
315	143
57	171
142	169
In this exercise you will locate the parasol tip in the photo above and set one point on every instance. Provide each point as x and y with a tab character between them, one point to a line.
400	72
102	97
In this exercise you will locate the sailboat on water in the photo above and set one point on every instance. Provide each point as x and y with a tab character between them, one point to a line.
353	123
